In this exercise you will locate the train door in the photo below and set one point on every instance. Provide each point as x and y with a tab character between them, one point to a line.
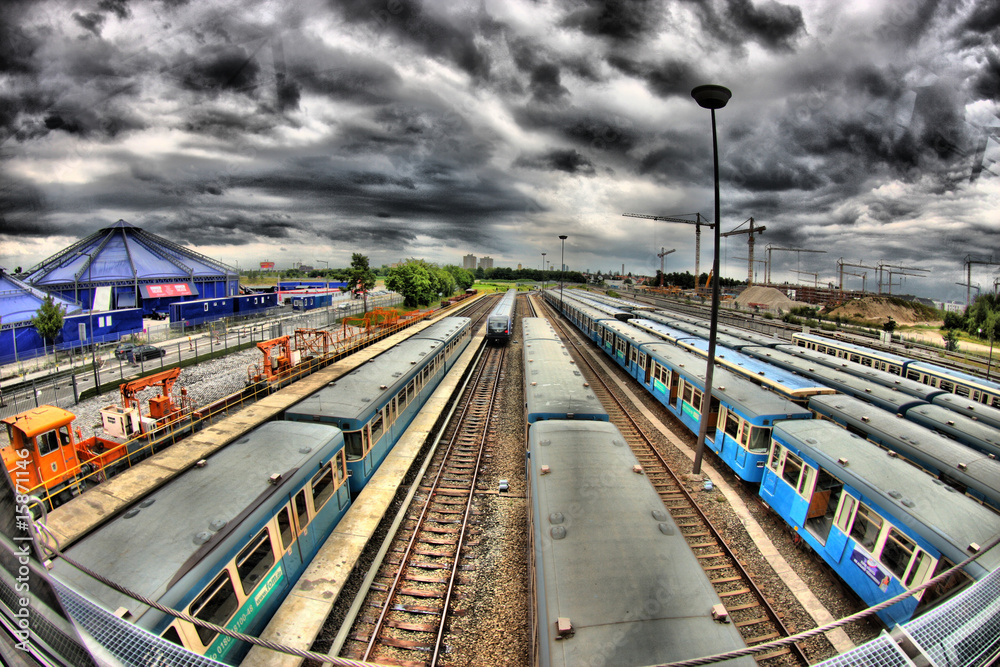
674	393
301	517
823	505
645	365
713	416
291	554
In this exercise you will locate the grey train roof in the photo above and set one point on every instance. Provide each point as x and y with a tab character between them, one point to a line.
145	551
357	394
615	563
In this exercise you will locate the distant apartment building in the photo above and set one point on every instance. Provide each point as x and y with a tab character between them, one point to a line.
485	263
469	262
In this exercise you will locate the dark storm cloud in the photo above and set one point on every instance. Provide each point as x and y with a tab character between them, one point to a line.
226	67
545	84
340	75
364	234
438	36
771	24
91	22
667	78
590	131
119	8
983	19
569	161
620	20
22	206
223	227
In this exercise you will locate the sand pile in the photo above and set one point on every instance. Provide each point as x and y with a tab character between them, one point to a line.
767	297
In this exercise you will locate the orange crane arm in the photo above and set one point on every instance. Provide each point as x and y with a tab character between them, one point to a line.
165	380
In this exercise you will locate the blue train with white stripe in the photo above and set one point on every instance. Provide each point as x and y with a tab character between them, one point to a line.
500	321
226	540
887	542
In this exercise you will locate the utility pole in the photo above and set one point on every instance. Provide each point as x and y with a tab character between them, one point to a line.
697	222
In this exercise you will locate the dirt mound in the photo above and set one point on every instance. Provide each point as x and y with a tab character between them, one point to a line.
767	297
878	309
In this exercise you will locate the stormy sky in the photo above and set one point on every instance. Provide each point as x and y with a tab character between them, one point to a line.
306	131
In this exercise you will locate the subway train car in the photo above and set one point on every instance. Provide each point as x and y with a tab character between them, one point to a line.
377	401
554	388
225	541
882	524
975	473
613	580
500	322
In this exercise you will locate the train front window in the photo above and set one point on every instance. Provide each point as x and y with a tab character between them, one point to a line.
215	605
255	561
866	528
791	470
760	440
775	458
47	442
354	445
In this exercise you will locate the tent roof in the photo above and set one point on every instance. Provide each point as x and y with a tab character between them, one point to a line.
19	302
124	252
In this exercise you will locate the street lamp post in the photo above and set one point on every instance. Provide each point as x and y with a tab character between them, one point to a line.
90	317
710	97
543	271
562	266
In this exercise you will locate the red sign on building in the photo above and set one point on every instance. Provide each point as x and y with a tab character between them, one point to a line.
267	265
169	289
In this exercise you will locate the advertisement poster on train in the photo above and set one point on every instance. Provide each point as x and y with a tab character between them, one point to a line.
870	567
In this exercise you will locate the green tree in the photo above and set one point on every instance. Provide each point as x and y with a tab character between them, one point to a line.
951	340
889	326
48	320
360	276
414	281
463	278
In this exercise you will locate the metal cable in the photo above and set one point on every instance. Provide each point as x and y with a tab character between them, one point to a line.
808	634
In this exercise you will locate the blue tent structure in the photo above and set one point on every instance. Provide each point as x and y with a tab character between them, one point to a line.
122	266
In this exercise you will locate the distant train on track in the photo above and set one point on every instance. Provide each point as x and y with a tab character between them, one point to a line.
226	540
613	580
877	520
500	322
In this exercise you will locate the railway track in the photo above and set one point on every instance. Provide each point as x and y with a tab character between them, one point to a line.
406	613
747	606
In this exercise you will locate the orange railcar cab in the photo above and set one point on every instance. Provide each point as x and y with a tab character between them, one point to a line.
41	457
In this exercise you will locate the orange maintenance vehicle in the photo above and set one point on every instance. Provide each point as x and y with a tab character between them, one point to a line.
48	459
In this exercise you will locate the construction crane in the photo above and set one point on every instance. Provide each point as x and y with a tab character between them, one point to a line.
969	261
840	271
809	273
863	275
751	230
663	253
898	273
887	268
769	248
698	221
756	261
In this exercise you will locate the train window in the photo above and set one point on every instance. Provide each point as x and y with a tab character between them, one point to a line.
255	561
866	528
340	467
961	390
806	481
353	445
411	390
791	469
732	425
301	509
947	386
896	552
47	443
920	567
913	375
322	487
285	527
377	427
846	513
171	635
760	439
775	458
215	605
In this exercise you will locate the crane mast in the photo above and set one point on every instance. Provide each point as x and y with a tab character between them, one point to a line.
751	230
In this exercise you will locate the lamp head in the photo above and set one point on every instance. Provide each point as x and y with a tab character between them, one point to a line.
711	96
563	237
